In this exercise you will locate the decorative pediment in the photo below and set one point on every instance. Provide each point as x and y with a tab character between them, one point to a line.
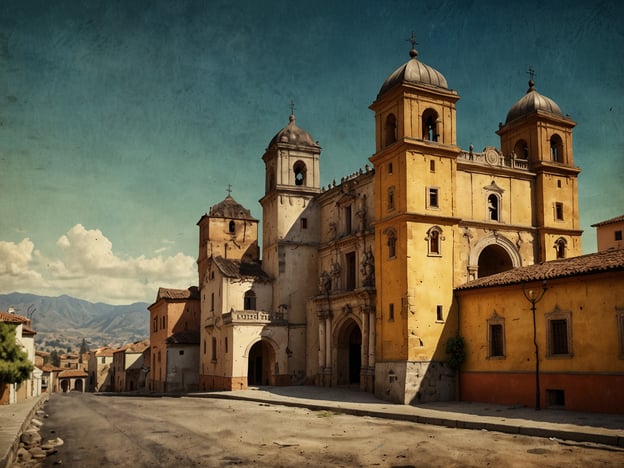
494	188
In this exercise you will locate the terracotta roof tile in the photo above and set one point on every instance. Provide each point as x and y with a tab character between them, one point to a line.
241	270
608	260
70	373
12	318
178	294
104	352
617	219
51	368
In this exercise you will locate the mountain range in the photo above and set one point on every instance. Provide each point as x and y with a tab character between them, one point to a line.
63	322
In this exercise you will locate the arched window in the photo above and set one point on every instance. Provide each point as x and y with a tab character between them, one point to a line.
556	148
521	149
434	237
560	247
493	207
430	123
391	242
299	170
250	300
390	130
232	227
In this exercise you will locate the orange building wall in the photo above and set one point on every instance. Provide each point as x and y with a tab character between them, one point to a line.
589	377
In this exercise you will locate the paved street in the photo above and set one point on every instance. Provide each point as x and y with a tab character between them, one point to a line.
100	430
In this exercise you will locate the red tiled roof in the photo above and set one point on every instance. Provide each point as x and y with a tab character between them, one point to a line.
169	293
137	347
51	368
12	318
70	373
104	352
26	330
617	219
607	260
241	270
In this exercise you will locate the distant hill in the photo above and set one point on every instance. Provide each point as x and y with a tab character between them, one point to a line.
62	322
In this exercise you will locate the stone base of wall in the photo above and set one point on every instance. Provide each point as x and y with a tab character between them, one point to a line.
413	382
220	383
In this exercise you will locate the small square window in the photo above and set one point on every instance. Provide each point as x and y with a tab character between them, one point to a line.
304	223
618	235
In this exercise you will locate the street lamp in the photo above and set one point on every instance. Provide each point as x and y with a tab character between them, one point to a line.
534	298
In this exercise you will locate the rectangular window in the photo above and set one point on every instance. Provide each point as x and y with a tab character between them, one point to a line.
212	301
226	344
347	213
391	198
559	336
618	235
432	197
432	166
389	168
304	223
496	340
391	312
439	313
350	270
155	328
214	349
559	211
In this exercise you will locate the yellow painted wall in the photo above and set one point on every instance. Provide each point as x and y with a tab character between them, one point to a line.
592	301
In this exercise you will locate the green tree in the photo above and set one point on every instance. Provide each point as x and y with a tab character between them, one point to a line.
83	348
55	358
14	364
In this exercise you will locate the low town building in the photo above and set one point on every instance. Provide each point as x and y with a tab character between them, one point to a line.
174	311
127	363
609	233
99	369
25	337
549	335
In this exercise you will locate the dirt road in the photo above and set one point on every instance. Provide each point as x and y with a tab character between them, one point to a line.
106	431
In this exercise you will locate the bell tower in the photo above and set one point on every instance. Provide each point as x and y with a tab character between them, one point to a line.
536	130
415	176
290	231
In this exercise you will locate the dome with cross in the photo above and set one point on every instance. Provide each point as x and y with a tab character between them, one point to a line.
414	72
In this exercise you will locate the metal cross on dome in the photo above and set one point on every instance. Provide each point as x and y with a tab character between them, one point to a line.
292	107
531	72
412	39
229	189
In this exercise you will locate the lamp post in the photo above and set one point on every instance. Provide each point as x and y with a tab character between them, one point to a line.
534	298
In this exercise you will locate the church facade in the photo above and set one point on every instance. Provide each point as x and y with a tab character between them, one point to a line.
356	284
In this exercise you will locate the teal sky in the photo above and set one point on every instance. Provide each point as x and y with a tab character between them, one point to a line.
122	122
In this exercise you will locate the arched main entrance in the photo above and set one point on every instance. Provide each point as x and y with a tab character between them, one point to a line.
349	353
78	385
261	364
64	385
493	259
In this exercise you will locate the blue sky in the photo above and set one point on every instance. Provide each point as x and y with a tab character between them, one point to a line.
121	122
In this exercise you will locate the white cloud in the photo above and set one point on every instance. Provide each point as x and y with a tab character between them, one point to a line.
86	266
